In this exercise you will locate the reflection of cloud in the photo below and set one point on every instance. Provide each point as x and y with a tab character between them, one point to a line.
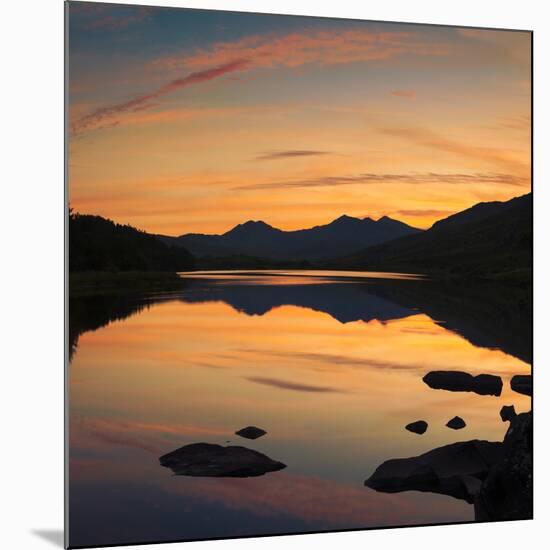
354	362
345	360
295	386
412	178
115	438
409	94
275	155
140	435
307	498
108	115
314	499
423	331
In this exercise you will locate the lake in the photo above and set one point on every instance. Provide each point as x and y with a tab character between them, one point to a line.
330	364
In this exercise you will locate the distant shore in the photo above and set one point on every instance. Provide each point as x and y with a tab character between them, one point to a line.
90	283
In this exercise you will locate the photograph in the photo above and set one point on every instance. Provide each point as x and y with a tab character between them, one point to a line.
299	274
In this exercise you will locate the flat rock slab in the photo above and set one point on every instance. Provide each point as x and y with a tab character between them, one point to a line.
456	423
456	470
522	383
418	427
482	384
251	432
210	460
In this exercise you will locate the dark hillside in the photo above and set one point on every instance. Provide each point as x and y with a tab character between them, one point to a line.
489	240
99	244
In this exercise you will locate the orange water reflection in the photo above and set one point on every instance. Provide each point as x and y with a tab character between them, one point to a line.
334	398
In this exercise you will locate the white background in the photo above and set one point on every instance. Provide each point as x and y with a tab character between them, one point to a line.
31	311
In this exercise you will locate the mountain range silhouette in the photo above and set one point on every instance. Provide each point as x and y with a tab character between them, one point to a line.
343	235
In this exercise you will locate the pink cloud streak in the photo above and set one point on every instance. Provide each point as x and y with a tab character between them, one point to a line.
106	116
266	51
301	48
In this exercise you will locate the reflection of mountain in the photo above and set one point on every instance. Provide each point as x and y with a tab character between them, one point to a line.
256	238
487	315
90	313
345	302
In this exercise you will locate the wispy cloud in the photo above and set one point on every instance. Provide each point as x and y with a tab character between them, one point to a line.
323	47
430	139
294	386
254	52
519	122
108	115
120	21
424	212
292	153
409	94
412	178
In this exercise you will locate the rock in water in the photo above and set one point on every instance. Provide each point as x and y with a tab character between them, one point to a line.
507	492
483	384
456	423
251	432
456	470
418	427
508	413
522	383
209	460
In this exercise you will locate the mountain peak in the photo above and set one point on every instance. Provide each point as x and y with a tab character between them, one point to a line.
344	219
255	223
250	226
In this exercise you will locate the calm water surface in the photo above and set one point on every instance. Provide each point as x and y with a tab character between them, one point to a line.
329	363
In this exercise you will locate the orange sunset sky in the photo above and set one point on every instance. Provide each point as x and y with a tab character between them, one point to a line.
195	121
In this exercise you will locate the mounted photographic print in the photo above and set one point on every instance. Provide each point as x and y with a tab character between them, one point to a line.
299	274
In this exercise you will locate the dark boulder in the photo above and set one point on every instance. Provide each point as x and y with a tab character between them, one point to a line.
483	384
418	427
508	413
209	460
251	432
507	492
456	423
522	383
456	470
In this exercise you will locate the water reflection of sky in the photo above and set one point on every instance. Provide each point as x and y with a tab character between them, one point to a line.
334	397
286	277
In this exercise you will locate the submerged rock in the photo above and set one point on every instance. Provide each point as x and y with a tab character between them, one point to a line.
483	384
418	427
522	383
456	470
508	413
251	432
210	460
507	492
456	423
